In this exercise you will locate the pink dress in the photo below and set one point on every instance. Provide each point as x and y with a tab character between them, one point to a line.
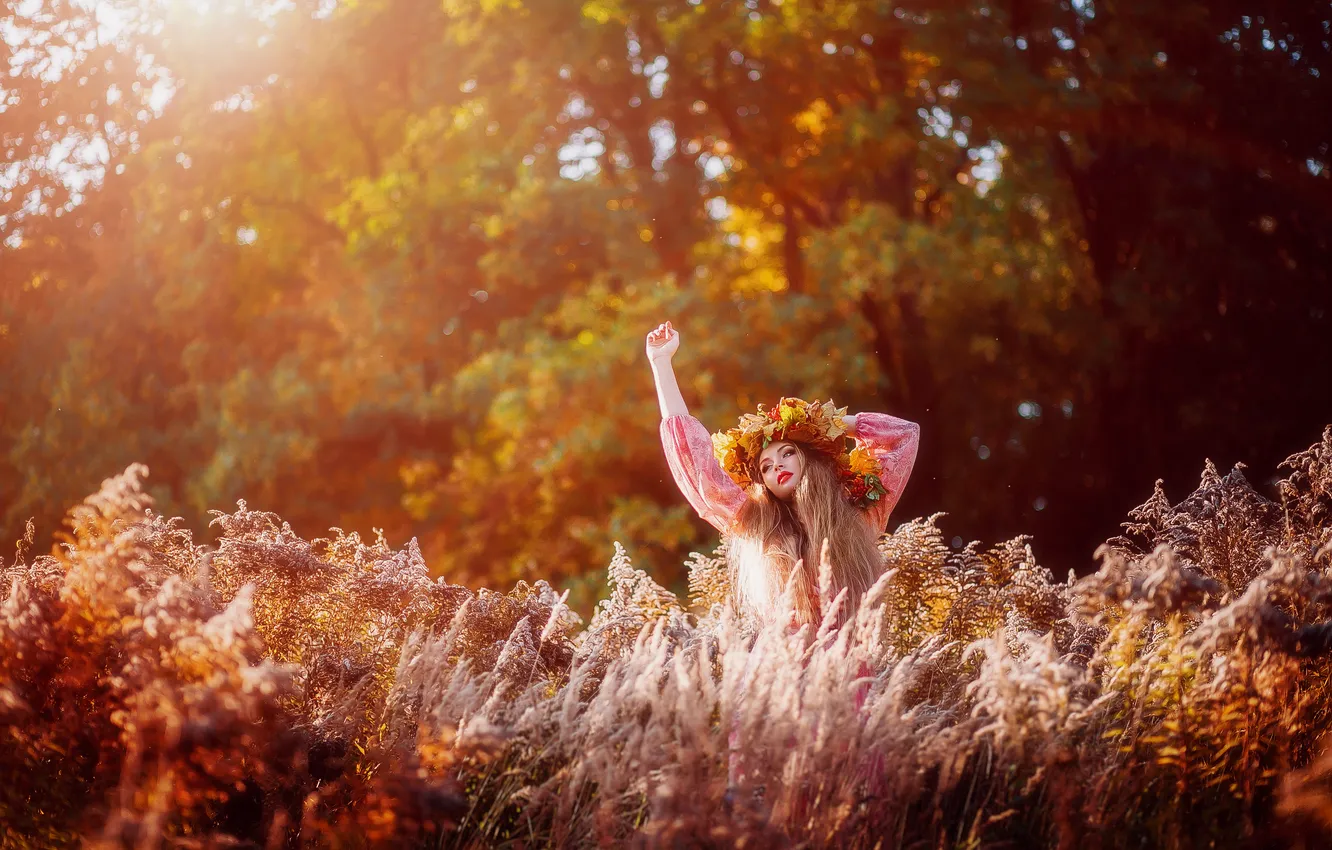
718	499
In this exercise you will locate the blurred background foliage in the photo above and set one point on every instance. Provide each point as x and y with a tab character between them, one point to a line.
389	264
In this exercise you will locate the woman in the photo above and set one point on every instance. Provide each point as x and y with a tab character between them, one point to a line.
781	484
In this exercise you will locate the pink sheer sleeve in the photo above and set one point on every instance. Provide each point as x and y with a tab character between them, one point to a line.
704	483
893	442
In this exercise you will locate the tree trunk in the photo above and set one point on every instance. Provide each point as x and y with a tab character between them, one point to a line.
909	388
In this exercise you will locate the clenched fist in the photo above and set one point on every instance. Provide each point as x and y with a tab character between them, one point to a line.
662	343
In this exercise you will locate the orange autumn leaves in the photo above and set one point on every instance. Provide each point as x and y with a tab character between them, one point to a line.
819	425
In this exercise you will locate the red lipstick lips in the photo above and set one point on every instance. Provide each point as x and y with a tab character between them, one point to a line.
783	477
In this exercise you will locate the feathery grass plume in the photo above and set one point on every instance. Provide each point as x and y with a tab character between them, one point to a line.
1205	691
635	603
1306	499
1222	529
279	692
1029	702
142	709
633	594
923	584
709	581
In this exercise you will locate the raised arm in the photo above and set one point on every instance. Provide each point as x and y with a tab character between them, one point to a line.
893	443
662	344
687	444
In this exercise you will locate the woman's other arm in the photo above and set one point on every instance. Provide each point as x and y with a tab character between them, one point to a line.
893	442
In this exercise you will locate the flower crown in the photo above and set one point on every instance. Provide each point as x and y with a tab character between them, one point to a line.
813	424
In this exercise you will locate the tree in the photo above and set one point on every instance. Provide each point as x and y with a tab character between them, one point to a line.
389	264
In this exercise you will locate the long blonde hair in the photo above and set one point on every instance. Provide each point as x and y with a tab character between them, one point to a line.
771	537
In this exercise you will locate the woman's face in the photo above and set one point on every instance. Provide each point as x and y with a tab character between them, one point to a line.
781	464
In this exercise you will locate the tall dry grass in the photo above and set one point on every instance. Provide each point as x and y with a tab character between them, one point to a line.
272	691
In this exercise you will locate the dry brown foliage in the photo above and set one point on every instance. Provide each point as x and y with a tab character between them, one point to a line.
277	692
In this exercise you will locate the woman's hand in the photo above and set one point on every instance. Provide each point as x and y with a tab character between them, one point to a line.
850	421
662	343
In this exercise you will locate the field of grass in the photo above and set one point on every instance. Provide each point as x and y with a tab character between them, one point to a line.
274	692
